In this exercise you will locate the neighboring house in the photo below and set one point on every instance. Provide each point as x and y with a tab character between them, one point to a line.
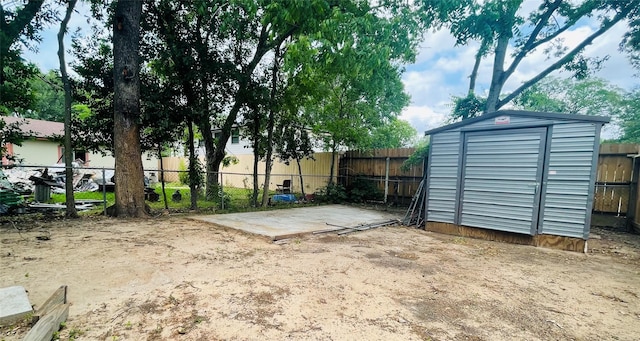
42	147
237	144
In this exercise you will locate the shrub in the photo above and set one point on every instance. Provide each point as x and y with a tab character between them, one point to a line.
362	189
332	193
185	175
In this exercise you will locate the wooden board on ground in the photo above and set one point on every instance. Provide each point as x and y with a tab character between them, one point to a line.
49	316
49	324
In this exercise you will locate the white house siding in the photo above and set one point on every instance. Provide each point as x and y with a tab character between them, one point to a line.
36	152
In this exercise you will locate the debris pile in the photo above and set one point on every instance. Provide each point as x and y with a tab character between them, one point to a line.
17	183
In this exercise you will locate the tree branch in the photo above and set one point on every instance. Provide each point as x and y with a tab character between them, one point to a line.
567	58
12	31
474	73
531	42
68	152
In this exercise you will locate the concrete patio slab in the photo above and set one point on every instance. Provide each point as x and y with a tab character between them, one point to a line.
14	305
278	224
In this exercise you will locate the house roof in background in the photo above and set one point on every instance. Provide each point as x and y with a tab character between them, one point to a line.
37	128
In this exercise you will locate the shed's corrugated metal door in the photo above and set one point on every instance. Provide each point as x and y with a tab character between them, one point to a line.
502	173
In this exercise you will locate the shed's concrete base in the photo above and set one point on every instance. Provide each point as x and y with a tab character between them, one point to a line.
14	305
543	240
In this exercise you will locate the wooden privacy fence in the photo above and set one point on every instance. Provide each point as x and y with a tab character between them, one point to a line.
616	190
383	166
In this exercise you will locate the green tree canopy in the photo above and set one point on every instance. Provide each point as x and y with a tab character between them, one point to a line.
629	119
589	96
395	133
500	27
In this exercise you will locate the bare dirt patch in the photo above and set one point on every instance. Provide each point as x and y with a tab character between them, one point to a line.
172	278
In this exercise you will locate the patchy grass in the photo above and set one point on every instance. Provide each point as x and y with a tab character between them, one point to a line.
237	200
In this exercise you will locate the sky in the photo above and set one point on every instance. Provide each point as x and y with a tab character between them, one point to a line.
441	69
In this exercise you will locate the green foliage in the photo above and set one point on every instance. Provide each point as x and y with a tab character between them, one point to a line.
467	107
48	97
229	160
346	72
161	118
15	89
223	199
396	133
183	175
589	96
332	193
196	175
629	119
417	158
187	173
362	189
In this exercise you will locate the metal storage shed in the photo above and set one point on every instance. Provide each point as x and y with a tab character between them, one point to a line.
519	176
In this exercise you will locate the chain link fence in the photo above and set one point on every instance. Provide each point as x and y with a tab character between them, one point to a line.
43	187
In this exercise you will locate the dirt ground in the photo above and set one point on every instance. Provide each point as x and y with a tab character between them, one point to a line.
173	278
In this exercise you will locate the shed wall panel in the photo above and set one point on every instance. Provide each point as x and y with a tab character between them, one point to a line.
568	179
443	176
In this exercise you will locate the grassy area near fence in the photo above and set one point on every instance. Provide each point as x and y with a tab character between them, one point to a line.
237	199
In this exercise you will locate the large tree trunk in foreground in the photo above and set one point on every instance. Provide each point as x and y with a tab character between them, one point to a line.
70	211
129	175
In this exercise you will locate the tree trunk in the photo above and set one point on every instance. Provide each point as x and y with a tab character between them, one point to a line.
70	211
164	194
268	165
333	162
301	177
255	133
211	192
209	152
192	168
497	78
3	28
129	175
242	93
270	125
256	189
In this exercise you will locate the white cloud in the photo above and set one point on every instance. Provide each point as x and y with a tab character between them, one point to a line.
442	70
433	44
423	118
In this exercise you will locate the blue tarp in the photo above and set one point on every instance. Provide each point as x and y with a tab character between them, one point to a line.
283	198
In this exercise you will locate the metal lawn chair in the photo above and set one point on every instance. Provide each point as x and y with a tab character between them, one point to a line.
285	188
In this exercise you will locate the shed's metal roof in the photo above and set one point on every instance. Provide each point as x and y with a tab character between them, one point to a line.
537	114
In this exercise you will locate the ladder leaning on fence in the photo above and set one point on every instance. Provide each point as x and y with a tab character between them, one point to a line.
415	213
